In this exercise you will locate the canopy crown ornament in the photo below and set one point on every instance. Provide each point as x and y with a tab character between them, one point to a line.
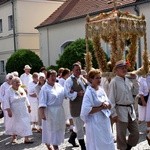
115	3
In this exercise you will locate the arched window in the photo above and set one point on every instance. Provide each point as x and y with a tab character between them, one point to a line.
64	45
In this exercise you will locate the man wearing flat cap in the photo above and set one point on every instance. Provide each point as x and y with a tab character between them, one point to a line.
123	113
26	77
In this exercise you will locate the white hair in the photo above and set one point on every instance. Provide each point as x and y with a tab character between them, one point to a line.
9	75
15	73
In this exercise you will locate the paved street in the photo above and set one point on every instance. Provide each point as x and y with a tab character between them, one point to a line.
5	141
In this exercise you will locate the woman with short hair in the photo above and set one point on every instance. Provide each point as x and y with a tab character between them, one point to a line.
52	113
95	112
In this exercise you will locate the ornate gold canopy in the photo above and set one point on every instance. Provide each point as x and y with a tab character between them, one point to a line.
115	28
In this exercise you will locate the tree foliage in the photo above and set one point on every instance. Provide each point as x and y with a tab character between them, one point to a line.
75	52
23	57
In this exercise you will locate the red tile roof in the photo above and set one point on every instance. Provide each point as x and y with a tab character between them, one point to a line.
72	9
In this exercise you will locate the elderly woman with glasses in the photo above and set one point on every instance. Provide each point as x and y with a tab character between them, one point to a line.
18	108
52	113
95	112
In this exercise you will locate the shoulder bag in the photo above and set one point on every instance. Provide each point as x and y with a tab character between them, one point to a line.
145	98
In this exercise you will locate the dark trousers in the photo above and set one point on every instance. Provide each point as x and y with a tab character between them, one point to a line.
133	137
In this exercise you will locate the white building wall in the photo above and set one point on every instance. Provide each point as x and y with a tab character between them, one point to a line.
5	35
58	35
5	11
44	46
6	41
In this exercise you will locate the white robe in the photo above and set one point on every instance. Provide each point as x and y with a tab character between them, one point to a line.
144	88
26	79
4	87
53	128
66	106
19	123
98	127
33	102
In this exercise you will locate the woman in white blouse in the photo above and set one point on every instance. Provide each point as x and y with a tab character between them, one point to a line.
144	109
95	113
18	109
52	113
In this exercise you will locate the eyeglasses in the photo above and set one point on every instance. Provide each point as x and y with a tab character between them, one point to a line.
97	78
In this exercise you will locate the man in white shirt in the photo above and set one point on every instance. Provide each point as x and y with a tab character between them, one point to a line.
26	77
74	88
123	113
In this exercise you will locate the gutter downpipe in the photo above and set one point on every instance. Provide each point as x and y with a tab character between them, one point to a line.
48	52
137	10
13	17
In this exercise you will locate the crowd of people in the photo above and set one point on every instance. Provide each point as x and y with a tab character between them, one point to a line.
48	101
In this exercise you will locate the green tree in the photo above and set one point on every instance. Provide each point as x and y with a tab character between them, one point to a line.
23	57
75	52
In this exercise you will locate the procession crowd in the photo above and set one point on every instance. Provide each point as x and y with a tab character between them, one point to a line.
89	103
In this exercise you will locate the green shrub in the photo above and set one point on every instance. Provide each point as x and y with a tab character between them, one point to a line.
23	57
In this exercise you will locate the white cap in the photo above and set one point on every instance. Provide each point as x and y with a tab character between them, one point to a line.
41	74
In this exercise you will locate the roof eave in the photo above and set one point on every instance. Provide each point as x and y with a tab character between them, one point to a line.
94	13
